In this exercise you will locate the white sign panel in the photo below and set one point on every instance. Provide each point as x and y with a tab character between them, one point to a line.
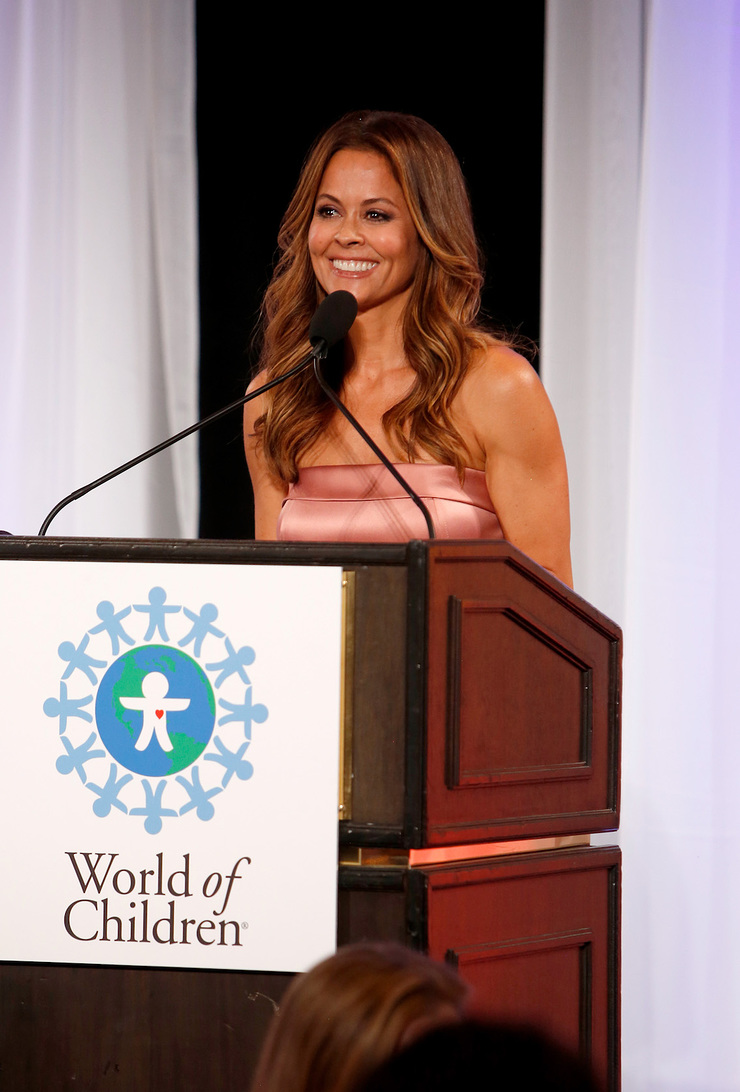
168	790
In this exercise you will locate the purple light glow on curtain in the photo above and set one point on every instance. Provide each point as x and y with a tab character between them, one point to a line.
667	412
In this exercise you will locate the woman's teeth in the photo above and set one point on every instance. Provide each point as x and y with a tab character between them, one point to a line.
353	267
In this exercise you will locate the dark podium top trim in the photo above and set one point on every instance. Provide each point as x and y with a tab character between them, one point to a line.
224	551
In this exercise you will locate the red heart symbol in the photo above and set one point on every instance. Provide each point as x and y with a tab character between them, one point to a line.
159	713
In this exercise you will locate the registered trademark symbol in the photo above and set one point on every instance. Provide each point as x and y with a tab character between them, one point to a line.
245	925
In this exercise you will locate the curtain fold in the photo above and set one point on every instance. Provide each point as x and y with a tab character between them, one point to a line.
98	282
652	430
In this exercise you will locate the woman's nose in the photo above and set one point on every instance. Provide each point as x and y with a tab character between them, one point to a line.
349	232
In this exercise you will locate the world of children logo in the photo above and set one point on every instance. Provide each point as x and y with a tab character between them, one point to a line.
155	711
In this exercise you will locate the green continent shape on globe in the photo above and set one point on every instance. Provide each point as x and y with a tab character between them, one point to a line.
185	751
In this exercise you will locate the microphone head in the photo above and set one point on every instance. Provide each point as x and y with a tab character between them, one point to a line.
333	318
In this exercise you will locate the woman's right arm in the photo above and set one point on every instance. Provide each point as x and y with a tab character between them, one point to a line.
269	493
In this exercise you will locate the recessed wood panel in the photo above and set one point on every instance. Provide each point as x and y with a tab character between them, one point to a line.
537	937
523	681
528	735
545	981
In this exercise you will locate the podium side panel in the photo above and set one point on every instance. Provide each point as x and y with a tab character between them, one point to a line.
522	715
537	937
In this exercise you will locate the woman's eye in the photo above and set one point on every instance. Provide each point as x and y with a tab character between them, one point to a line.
378	216
326	211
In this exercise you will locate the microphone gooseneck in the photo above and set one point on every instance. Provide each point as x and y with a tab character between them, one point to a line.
333	398
331	321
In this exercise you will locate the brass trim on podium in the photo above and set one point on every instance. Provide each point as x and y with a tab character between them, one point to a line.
371	857
346	695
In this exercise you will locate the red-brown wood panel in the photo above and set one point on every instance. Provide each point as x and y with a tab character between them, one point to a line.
537	936
522	701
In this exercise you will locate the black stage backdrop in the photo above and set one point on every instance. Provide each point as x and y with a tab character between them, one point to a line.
268	84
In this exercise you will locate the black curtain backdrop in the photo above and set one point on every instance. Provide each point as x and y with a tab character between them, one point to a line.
268	85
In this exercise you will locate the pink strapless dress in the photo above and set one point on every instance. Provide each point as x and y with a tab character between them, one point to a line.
366	504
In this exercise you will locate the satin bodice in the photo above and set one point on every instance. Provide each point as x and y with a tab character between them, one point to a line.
366	504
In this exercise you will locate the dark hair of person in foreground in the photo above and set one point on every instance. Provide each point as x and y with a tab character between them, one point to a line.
477	1055
344	1017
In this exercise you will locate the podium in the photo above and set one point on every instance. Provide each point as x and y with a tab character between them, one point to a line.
480	750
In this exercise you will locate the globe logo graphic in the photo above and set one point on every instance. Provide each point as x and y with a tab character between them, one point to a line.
152	731
155	710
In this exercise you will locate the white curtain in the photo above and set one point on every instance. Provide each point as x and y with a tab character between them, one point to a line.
98	262
641	286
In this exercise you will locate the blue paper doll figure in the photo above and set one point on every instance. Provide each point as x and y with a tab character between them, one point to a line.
234	663
156	610
65	707
111	623
76	757
200	799
201	627
232	761
109	793
246	712
153	808
78	659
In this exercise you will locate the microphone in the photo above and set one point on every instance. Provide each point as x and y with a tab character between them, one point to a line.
331	321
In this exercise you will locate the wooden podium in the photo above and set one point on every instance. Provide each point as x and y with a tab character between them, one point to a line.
480	751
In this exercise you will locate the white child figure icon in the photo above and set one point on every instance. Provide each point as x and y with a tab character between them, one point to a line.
155	706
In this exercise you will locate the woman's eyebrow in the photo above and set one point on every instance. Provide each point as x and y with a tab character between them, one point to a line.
368	201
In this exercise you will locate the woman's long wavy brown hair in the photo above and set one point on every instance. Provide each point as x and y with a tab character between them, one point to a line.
440	330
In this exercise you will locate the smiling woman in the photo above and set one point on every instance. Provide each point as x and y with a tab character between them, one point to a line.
362	237
381	209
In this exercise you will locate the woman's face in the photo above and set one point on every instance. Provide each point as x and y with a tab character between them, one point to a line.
362	237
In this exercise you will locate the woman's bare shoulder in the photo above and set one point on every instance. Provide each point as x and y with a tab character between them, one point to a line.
514	426
256	407
499	371
500	391
269	492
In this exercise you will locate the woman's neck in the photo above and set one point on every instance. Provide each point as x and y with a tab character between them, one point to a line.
374	345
